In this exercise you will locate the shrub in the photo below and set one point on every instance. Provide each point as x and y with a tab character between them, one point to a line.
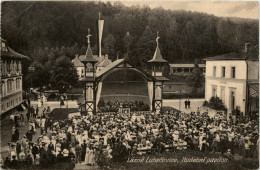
216	104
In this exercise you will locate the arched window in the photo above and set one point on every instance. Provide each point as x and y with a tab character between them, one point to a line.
3	88
18	81
17	65
8	66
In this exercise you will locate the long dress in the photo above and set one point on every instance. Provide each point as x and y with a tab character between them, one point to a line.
87	156
91	157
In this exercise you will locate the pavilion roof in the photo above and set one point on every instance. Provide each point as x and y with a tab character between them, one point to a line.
89	56
10	53
157	57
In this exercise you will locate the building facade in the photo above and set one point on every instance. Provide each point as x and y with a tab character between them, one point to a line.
184	69
11	77
103	61
230	77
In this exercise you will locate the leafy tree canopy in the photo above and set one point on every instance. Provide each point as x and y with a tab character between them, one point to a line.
63	73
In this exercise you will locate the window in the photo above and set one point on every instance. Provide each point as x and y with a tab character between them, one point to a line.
9	86
233	72
223	73
17	66
222	94
214	91
214	71
2	88
17	84
232	100
8	66
20	67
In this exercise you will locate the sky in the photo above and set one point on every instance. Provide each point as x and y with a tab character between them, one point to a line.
241	9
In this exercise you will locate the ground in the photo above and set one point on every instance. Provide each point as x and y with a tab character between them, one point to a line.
6	131
6	125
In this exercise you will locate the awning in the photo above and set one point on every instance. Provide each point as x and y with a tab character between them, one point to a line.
253	89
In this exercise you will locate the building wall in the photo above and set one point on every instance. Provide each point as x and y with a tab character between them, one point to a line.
11	84
80	71
239	64
184	70
224	86
99	68
253	70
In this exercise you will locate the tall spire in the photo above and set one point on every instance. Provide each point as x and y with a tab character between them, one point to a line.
157	57
88	36
89	55
157	39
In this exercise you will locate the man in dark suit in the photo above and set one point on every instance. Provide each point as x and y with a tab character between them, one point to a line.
186	103
83	153
51	147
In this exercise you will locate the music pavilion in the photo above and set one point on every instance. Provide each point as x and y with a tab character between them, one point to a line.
121	81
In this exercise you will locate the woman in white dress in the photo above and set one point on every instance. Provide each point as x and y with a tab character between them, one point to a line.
87	155
91	157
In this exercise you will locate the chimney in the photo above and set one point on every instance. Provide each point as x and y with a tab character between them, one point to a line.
247	47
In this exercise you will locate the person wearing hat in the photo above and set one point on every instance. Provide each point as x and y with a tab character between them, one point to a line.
78	150
14	163
18	148
35	150
65	152
84	147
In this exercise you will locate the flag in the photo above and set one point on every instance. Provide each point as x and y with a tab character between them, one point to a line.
100	31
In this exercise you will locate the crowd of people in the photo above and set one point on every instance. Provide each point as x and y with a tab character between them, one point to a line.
114	106
98	139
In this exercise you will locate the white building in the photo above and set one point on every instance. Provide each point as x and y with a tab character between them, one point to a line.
11	78
184	69
102	63
234	79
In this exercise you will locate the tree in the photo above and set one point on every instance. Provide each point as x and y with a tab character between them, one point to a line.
109	45
185	36
63	73
83	50
127	40
195	78
75	49
40	77
146	46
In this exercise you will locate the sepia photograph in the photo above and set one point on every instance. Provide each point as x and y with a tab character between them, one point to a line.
129	85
